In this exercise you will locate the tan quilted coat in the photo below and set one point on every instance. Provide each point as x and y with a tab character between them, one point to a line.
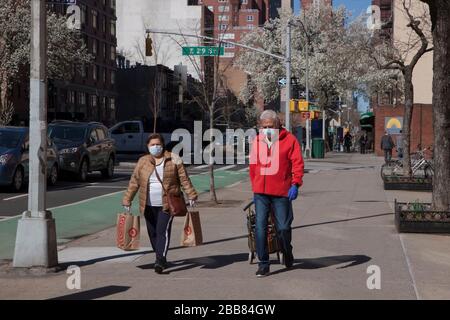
175	177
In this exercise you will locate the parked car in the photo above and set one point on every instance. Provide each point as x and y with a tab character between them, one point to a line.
131	137
84	147
14	158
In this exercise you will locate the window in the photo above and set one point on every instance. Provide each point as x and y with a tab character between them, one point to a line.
224	9
132	127
81	98
228	45
104	24
113	77
113	4
94	101
104	75
223	18
83	71
223	0
83	14
126	128
113	53
101	134
94	72
250	26
112	104
71	97
93	136
244	1
94	46
113	28
94	19
250	18
104	50
211	8
104	3
223	27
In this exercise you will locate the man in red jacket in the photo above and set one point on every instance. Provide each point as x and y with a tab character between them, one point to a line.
276	173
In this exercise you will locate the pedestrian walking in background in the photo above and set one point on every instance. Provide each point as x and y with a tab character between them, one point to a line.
363	141
276	173
158	171
387	144
400	145
348	142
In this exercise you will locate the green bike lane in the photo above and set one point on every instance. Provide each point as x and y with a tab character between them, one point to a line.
93	215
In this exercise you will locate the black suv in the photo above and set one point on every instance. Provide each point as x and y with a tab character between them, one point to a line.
83	147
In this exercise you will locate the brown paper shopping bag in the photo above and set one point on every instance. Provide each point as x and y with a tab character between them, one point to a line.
192	231
128	232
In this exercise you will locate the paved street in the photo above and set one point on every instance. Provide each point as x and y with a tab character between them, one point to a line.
343	224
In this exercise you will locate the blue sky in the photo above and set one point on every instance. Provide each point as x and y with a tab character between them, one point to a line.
356	7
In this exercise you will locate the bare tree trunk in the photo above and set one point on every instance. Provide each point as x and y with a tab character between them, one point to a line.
212	185
440	11
409	104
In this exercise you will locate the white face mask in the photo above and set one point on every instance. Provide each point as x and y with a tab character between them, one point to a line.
269	132
155	150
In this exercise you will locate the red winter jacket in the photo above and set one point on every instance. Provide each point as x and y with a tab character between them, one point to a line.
274	170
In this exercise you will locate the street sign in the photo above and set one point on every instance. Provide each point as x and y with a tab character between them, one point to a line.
61	1
282	82
306	115
203	51
313	107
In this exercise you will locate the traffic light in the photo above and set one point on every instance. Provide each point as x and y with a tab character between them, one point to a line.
293	106
303	105
148	46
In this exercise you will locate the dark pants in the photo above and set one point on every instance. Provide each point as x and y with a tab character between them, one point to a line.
159	227
387	155
347	148
363	148
400	153
283	215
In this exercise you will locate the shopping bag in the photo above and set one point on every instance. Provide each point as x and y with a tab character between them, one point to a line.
128	232
192	230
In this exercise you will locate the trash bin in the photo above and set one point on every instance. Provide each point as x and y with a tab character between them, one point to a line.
318	148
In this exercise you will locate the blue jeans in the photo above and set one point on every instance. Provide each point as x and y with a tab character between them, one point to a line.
283	215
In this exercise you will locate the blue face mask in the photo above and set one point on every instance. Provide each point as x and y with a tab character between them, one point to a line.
155	150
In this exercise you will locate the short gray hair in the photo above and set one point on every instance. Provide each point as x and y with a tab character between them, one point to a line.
269	114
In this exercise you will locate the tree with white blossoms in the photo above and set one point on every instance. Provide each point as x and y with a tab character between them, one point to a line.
65	49
401	55
335	67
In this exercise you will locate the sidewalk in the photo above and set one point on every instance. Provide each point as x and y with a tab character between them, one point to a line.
343	223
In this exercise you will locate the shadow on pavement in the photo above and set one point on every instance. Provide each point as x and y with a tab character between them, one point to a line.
94	293
209	262
324	262
343	220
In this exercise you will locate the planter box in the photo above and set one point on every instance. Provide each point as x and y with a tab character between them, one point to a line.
419	218
407	183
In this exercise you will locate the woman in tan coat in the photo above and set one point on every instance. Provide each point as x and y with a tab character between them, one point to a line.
153	203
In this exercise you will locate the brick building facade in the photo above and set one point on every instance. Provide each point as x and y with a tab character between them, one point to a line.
90	94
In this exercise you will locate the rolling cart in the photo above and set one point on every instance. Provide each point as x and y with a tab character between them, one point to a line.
272	240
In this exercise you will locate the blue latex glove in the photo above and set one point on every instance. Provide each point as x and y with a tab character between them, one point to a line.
293	193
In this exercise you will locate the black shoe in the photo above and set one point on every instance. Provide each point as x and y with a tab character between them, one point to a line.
289	260
158	267
262	272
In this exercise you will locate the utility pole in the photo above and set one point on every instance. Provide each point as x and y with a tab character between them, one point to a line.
36	230
308	129
288	77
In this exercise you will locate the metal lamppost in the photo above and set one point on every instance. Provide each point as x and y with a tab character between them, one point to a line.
36	230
